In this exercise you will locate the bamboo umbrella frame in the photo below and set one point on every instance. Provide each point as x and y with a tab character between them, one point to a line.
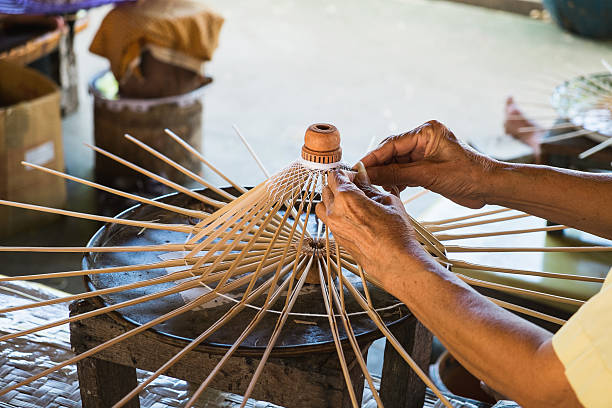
262	234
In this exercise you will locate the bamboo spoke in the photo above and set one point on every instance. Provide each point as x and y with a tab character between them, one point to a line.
458	248
237	308
449	237
393	341
467	265
260	314
527	311
415	196
465	217
194	303
512	289
141	224
280	323
340	305
179	167
158	178
200	157
446	227
169	207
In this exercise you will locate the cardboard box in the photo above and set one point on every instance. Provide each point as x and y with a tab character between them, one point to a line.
30	130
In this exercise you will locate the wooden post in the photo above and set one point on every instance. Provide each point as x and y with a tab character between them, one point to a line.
397	375
102	383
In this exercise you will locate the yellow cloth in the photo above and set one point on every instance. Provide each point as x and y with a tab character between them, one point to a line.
185	26
584	346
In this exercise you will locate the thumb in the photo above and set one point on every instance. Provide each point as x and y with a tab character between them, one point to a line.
419	173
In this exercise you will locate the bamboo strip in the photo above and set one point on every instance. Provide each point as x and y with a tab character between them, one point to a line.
457	248
537	128
200	157
568	135
280	323
169	207
512	289
256	319
252	242
393	341
180	168
251	152
158	178
340	305
303	232
449	237
135	248
194	303
446	227
179	288
486	268
526	311
415	196
142	224
258	270
237	308
327	301
465	217
310	183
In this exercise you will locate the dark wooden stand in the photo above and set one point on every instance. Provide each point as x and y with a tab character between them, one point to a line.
310	378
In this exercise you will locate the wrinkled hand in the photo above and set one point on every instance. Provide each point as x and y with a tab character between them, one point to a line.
432	157
371	225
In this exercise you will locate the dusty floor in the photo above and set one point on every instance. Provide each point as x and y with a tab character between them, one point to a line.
372	68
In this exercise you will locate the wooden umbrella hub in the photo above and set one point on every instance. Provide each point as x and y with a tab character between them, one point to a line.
322	144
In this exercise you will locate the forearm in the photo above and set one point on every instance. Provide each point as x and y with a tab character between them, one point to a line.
567	197
510	354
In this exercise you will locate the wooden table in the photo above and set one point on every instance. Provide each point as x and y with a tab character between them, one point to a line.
309	378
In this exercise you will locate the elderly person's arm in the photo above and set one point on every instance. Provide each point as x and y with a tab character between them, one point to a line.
431	156
511	355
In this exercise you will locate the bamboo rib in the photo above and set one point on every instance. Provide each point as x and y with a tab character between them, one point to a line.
415	196
349	331
142	224
180	168
303	232
486	268
263	207
237	308
169	207
280	323
568	135
446	227
179	288
158	178
465	217
526	311
458	248
251	243
174	276
256	319
310	183
200	157
554	127
327	301
512	289
251	152
449	237
393	341
257	271
595	149
194	303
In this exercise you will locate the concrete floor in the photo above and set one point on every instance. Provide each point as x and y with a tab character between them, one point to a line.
372	68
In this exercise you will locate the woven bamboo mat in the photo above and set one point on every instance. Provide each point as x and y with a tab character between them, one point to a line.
21	357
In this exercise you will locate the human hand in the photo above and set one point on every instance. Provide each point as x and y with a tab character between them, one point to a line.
371	225
432	157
